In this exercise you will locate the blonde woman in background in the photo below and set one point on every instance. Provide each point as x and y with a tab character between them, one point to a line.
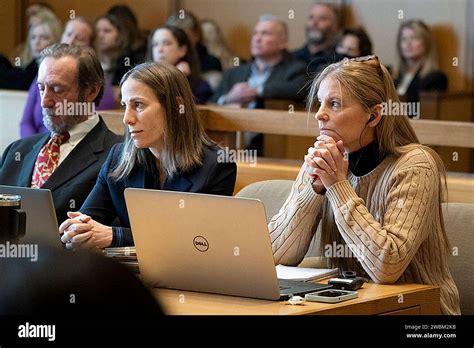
44	29
216	44
41	34
371	186
418	63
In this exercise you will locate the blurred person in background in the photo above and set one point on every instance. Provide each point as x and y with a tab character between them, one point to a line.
213	39
137	39
321	31
41	34
354	42
272	74
418	63
113	47
211	68
171	45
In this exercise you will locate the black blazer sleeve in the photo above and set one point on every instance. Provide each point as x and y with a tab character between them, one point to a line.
287	82
229	79
434	81
222	180
3	160
99	203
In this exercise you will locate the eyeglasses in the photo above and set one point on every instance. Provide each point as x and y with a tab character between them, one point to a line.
372	60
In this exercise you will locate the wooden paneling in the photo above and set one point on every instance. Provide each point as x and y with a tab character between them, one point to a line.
150	14
9	26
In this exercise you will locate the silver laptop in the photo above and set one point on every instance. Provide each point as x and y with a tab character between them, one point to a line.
206	243
41	222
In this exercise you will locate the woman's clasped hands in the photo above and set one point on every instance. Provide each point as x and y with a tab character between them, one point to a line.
326	163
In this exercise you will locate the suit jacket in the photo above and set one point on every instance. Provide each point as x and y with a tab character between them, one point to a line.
286	81
318	61
106	202
434	81
75	177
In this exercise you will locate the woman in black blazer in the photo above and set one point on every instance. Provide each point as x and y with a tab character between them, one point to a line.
166	148
418	68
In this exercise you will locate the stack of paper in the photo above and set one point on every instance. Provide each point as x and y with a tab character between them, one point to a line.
305	274
125	255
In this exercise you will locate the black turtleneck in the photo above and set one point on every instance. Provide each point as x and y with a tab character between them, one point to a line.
364	160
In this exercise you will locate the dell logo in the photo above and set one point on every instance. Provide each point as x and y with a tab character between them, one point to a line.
200	243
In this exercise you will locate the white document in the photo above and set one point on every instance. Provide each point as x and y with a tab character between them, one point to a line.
304	274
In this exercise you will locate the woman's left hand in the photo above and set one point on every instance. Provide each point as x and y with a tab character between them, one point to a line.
330	154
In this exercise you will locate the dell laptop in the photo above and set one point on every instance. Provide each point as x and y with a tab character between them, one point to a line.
206	243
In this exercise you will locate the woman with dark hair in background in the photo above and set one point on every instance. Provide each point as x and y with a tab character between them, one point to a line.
418	64
190	24
137	39
166	148
113	47
171	45
354	42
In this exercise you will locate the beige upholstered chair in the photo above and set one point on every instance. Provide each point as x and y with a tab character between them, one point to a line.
272	193
458	219
459	224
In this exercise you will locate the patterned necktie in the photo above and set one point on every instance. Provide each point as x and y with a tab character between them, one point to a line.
47	160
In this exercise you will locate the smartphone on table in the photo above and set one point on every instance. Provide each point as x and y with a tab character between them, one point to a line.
331	296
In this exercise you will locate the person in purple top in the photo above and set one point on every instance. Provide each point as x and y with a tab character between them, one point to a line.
171	45
78	32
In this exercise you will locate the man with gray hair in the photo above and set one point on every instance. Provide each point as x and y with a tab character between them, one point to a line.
68	158
272	74
321	29
78	32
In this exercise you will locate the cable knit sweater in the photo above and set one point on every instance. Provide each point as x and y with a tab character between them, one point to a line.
391	214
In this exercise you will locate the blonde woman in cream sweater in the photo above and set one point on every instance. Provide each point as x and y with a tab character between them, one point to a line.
370	184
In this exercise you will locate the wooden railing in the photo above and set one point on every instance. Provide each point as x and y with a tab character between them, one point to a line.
299	123
430	132
223	121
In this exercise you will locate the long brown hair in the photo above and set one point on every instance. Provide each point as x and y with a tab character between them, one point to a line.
184	136
370	83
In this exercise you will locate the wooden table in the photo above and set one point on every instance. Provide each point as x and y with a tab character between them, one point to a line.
402	299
